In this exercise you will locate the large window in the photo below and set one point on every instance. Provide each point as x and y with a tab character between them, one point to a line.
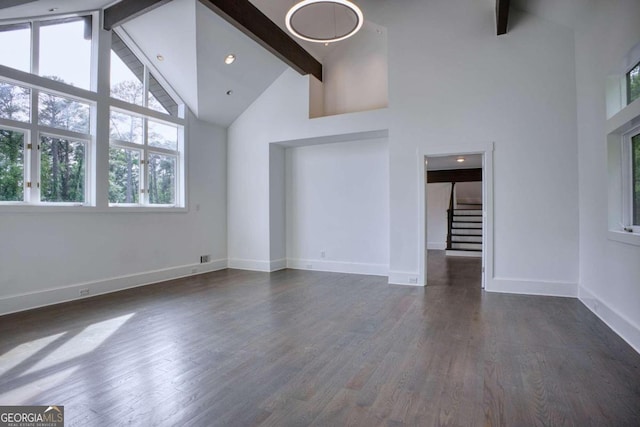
48	130
143	160
57	128
146	149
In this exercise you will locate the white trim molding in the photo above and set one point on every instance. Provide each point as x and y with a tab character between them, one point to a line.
622	326
533	287
339	266
409	278
266	266
28	301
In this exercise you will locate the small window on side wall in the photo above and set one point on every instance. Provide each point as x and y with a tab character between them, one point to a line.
635	181
633	84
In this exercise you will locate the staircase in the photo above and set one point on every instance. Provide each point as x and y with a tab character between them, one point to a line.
465	233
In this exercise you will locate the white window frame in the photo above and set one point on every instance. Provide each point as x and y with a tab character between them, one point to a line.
146	150
33	130
147	114
627	181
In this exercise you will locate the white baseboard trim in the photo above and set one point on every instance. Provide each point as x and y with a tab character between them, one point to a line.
408	278
27	301
338	266
258	265
278	264
532	287
438	246
622	326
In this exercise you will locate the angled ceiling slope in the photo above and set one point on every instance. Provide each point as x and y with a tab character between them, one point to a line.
194	43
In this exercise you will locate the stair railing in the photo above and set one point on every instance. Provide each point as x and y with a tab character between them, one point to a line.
450	217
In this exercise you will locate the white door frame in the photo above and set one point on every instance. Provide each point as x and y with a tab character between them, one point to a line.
486	150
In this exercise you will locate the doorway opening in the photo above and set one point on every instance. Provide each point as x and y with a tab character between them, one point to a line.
455	220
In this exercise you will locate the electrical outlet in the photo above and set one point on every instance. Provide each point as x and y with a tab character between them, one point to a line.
84	292
205	258
323	254
413	280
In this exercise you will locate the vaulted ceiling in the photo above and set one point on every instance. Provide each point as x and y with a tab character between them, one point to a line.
194	41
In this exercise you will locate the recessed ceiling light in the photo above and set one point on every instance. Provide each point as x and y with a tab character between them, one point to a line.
460	159
160	57
229	59
229	92
53	9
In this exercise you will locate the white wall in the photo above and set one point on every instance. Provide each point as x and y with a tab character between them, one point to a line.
469	192
609	270
438	195
356	73
46	257
448	84
338	203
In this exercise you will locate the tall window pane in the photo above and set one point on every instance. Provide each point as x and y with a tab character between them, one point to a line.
15	46
633	84
163	135
127	73
125	127
162	181
11	166
62	170
15	102
65	51
635	173
63	113
124	175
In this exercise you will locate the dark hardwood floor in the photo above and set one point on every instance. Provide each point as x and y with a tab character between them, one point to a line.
296	348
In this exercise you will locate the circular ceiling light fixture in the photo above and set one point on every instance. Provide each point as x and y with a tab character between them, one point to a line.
229	59
324	21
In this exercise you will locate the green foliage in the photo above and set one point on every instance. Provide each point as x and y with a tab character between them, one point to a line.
124	175
11	166
62	170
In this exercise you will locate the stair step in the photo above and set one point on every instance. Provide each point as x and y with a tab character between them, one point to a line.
467	212
466	225
469	239
468	246
467	218
466	231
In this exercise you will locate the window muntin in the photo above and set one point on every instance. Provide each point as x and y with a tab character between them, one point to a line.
635	180
12	166
62	169
65	51
124	175
633	84
15	102
63	113
15	46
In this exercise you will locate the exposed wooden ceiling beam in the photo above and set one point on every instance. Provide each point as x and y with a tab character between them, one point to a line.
502	16
454	175
251	21
125	10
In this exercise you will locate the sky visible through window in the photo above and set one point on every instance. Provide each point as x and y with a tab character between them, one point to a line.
64	53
